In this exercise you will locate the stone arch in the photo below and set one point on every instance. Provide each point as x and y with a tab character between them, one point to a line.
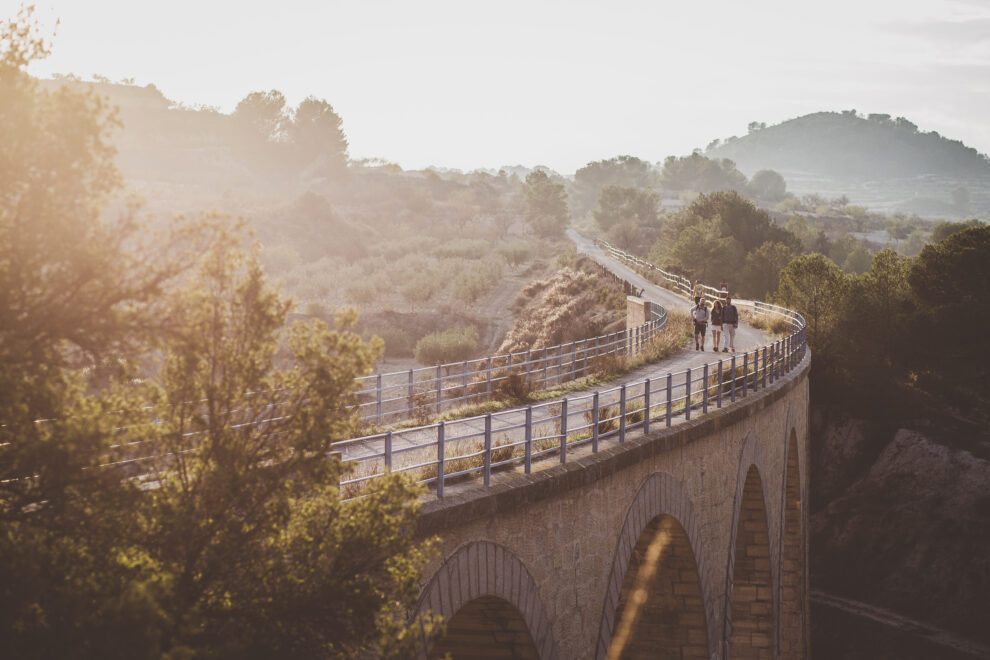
792	638
486	581
662	506
749	625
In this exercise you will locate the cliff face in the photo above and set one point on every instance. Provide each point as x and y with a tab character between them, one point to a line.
903	523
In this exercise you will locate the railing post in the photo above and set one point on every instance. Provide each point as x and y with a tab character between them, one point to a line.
763	382
410	390
378	398
646	407
622	413
440	455
388	450
718	394
488	378
745	373
563	430
573	358
529	439
464	381
439	388
529	366
488	449
704	397
732	387
670	390
687	395
545	372
594	423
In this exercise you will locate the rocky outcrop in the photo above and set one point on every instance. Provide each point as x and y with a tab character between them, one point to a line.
909	532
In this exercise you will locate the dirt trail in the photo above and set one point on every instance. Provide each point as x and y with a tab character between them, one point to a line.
902	624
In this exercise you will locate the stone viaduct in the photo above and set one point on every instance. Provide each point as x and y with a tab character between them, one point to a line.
689	542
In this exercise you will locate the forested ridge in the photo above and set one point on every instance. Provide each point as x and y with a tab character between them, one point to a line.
847	144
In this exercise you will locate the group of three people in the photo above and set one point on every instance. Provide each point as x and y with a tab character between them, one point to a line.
721	316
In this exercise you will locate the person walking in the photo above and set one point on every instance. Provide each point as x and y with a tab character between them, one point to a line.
699	291
730	321
716	318
724	290
699	314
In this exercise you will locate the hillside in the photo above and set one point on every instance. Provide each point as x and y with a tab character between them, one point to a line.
849	145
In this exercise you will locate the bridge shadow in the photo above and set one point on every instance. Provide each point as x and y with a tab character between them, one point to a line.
660	612
487	625
658	603
491	604
792	638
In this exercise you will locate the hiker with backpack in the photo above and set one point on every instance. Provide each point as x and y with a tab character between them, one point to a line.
699	314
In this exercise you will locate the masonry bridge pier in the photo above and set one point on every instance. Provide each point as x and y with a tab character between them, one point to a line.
687	542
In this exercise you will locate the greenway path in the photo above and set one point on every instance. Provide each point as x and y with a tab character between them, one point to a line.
548	430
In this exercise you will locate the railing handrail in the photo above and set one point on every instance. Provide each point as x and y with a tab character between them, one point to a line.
769	362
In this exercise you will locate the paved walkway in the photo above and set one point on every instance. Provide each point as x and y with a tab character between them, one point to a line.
416	448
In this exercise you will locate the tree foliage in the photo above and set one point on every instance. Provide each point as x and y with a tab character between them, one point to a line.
696	172
723	236
316	133
617	204
768	185
546	204
192	511
903	333
622	171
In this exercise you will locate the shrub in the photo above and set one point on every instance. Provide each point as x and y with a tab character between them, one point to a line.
515	253
452	345
467	248
398	342
478	281
515	388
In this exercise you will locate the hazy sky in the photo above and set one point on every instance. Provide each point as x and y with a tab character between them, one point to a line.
468	84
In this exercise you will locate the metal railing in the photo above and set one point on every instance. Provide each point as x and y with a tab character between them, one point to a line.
387	398
445	452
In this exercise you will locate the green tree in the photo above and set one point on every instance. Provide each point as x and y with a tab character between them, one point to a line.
814	286
696	172
761	270
699	248
261	116
316	134
623	171
112	543
617	204
877	325
253	551
944	229
626	236
747	224
546	205
948	280
768	185
858	260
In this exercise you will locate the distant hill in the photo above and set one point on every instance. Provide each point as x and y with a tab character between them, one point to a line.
846	144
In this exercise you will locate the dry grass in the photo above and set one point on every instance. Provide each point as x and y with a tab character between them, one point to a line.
772	323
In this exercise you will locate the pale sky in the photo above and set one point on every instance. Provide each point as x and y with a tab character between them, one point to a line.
465	84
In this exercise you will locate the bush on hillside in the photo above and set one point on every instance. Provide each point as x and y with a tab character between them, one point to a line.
447	346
